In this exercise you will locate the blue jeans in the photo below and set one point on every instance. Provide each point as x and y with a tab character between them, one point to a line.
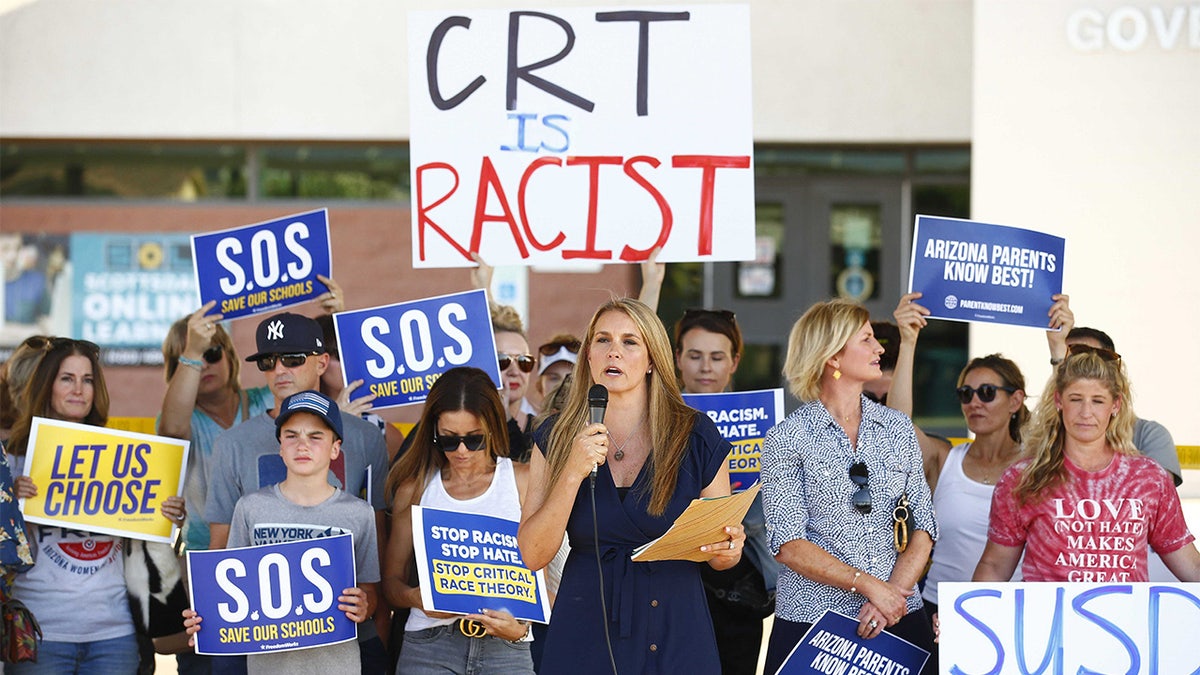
443	650
118	656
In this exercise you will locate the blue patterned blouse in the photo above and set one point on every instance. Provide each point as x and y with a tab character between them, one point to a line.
807	492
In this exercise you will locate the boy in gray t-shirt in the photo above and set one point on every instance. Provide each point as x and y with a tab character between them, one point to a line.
306	506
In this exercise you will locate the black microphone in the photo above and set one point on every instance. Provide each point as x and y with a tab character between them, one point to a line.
597	404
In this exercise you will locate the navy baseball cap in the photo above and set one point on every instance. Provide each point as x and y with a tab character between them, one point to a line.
288	333
312	402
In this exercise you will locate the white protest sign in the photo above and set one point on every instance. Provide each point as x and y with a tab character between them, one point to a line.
578	136
1068	627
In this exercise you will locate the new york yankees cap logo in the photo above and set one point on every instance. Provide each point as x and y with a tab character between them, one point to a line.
288	333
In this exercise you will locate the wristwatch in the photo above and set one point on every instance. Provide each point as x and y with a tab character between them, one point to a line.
527	637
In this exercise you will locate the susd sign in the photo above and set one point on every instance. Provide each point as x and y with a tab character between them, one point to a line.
265	266
276	597
400	350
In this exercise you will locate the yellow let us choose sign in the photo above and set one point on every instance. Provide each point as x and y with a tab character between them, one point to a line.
102	480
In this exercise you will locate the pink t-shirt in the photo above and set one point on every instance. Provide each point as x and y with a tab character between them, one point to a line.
1096	526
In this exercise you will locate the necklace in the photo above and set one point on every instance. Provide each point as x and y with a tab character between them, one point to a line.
620	452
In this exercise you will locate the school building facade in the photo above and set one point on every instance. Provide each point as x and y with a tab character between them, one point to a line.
139	118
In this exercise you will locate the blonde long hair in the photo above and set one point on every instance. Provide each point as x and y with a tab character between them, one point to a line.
1046	437
816	337
670	419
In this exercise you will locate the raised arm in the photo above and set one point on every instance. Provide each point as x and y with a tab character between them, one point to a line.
910	318
653	273
175	419
1062	318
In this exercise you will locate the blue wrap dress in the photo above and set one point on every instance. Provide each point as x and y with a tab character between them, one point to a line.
657	615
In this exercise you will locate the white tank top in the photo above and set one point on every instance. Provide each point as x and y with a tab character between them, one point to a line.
500	499
962	506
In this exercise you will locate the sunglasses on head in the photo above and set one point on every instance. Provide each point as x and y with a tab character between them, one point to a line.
1080	348
551	348
524	361
859	475
448	443
986	392
266	362
85	346
722	314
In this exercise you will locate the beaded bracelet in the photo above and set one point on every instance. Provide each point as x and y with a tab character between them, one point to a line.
191	363
854	581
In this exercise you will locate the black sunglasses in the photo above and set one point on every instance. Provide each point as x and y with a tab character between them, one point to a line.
213	353
987	392
1080	348
722	314
551	348
266	362
524	361
862	496
473	442
85	346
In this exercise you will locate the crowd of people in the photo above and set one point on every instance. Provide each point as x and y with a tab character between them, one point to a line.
860	511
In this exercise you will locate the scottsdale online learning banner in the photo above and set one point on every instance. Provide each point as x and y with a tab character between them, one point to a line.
272	598
971	271
102	480
581	136
467	562
743	418
1069	627
263	267
832	645
400	350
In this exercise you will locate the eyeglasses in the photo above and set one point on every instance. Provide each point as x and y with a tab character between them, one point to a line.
213	354
1080	348
524	361
37	342
987	392
862	496
551	348
85	346
266	362
473	442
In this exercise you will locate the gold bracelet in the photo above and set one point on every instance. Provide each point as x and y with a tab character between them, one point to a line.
854	581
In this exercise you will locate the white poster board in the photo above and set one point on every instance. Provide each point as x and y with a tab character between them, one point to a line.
581	135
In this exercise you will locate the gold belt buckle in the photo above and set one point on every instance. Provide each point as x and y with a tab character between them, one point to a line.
472	628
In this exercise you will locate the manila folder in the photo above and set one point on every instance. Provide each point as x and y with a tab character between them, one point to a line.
703	522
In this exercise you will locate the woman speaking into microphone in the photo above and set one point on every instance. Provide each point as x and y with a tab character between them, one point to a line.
652	456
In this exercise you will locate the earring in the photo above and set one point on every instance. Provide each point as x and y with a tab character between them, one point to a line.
837	374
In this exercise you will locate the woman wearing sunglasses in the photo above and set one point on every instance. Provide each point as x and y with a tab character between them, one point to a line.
556	360
991	391
1085	489
835	474
458	462
204	397
77	588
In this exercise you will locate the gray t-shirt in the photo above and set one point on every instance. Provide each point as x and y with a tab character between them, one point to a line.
1154	441
246	459
267	517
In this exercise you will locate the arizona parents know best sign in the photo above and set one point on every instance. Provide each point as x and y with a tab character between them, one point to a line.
579	135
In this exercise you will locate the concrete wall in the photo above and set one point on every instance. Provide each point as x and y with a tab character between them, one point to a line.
1097	140
849	71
